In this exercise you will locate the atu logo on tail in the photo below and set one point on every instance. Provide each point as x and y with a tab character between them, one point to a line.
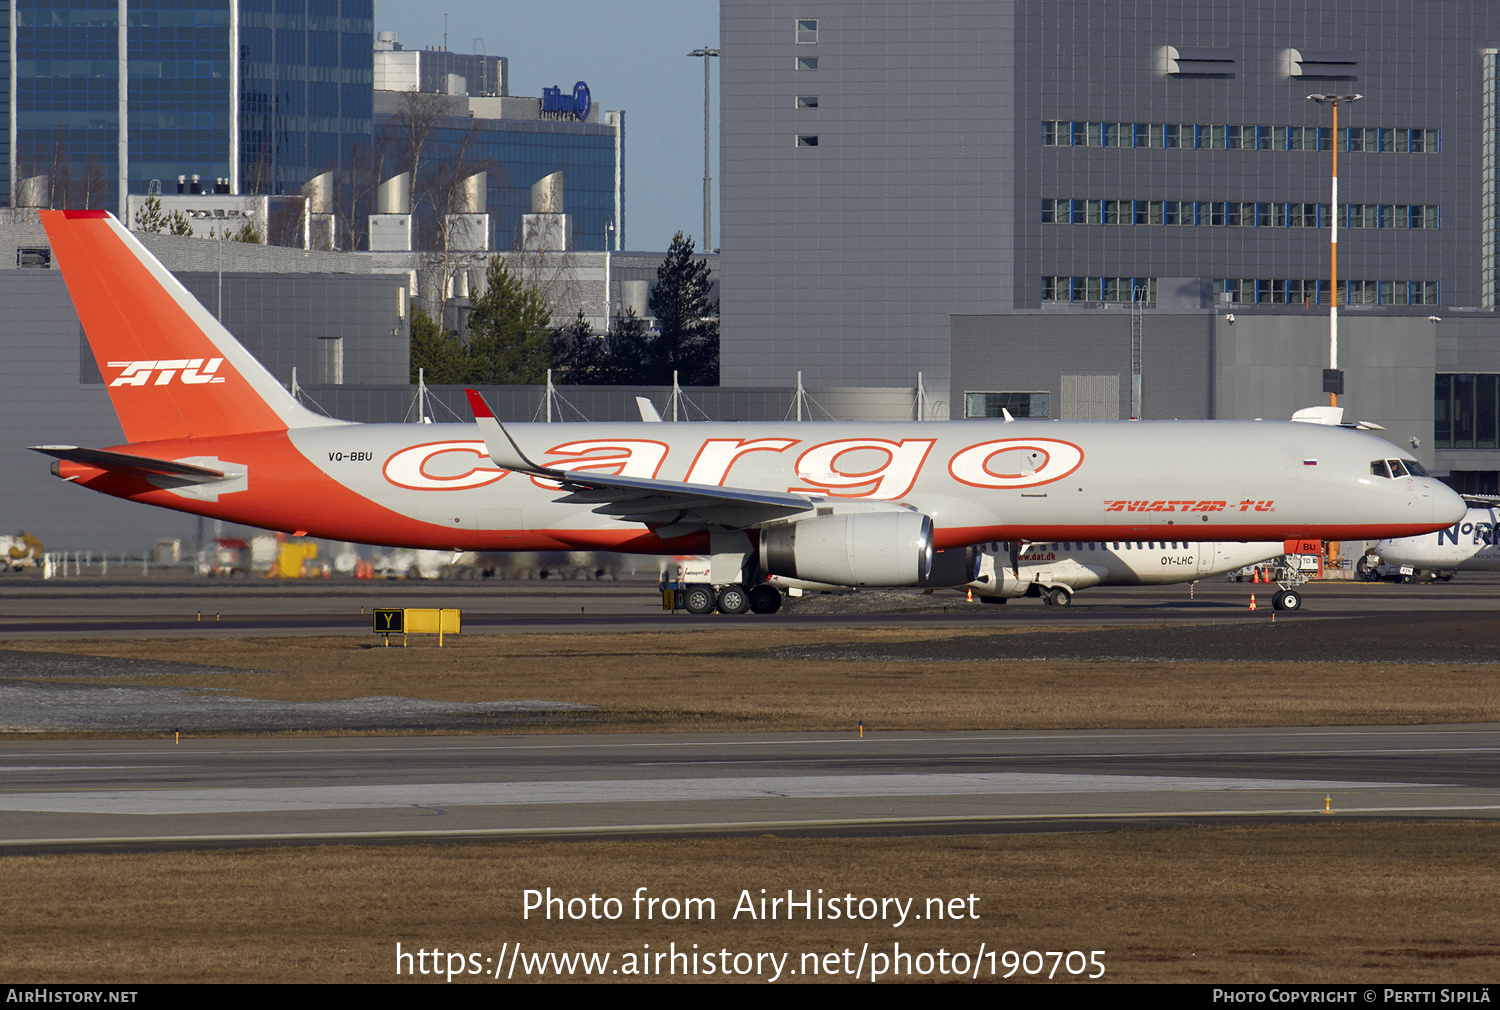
194	372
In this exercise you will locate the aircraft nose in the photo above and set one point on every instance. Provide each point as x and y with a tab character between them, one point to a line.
1448	507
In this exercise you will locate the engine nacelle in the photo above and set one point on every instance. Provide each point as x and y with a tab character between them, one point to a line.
854	549
954	567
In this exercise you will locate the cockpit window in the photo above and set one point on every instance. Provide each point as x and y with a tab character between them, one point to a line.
1380	469
1397	470
1414	468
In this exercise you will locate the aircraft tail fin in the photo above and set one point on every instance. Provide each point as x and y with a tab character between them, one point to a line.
171	369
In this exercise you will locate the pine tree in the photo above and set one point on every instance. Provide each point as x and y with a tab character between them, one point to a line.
436	352
509	333
629	353
577	354
620	358
689	339
247	233
150	217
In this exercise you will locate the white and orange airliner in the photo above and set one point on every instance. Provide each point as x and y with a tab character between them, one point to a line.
211	432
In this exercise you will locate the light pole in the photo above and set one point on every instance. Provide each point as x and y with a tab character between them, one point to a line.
708	233
609	234
1333	379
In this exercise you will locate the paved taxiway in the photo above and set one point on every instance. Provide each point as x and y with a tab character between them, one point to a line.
156	606
142	794
146	794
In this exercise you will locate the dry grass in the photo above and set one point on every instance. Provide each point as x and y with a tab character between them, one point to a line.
1327	903
729	680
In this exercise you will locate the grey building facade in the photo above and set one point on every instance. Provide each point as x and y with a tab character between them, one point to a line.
1060	203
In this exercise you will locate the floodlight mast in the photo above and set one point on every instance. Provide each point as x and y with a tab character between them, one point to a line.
706	53
1332	379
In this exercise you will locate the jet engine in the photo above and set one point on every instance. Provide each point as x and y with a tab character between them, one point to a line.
854	549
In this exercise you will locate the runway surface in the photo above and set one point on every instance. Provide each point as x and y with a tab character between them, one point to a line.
89	605
62	795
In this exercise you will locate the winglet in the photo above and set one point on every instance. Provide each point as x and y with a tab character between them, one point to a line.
502	449
477	404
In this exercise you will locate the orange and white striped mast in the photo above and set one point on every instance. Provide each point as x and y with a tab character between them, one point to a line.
1331	380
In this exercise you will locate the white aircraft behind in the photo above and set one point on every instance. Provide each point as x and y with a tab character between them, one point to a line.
1467	545
1055	571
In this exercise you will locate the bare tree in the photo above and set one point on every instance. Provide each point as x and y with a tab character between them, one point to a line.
285	225
59	171
551	273
355	185
259	179
93	187
418	114
445	193
447	227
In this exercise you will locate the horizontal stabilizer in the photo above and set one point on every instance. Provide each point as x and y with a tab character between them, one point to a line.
125	463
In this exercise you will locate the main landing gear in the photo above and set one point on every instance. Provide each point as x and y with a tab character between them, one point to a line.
701	598
1057	596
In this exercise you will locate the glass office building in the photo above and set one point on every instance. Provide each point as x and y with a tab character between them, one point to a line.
516	154
108	96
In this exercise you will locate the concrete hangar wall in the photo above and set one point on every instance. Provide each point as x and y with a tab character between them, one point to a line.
1202	365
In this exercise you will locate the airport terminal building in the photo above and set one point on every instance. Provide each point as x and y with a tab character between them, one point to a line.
1087	210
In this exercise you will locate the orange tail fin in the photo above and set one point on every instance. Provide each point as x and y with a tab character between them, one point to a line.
172	370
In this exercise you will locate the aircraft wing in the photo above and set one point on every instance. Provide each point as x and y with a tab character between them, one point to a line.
1482	501
671	508
122	462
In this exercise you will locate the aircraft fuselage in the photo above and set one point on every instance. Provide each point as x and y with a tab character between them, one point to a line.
433	485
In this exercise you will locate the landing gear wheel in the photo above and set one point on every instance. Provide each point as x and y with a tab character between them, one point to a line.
1059	596
733	600
765	600
1286	599
699	599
